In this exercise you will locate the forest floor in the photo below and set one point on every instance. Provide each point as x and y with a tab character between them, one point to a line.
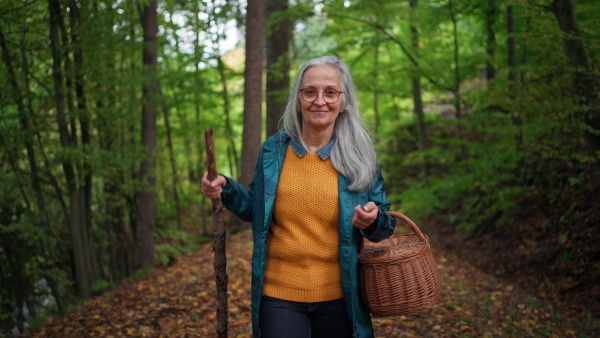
180	301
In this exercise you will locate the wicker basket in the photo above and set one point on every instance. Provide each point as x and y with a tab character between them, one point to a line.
399	275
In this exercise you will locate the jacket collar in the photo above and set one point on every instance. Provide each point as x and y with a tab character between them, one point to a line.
323	153
282	139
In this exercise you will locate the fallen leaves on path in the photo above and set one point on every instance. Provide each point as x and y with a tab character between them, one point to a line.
180	301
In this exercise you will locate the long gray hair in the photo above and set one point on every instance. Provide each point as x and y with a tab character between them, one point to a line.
353	154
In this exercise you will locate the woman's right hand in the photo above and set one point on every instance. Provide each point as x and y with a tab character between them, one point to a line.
213	189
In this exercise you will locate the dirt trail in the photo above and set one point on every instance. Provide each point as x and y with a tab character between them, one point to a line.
180	301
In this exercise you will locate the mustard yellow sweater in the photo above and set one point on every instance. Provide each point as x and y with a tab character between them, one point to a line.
303	249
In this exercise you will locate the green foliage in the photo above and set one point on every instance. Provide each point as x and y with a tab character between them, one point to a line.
101	286
174	243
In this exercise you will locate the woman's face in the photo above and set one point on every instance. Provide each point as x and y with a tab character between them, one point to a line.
319	116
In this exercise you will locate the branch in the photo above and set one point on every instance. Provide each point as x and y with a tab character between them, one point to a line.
394	39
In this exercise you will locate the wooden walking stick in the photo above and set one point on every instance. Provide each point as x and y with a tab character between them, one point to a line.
220	261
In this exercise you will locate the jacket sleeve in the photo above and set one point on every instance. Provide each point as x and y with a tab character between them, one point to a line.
237	199
385	223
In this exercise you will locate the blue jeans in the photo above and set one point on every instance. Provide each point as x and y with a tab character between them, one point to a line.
287	319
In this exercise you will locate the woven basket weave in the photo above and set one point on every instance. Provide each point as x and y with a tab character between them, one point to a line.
399	275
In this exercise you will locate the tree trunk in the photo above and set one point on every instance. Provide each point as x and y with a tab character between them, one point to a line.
84	126
226	109
456	89
173	161
376	86
199	145
68	77
512	59
251	138
146	216
77	223
278	62
490	46
586	84
417	94
512	75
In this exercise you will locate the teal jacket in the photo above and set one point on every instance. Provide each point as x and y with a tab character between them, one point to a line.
256	206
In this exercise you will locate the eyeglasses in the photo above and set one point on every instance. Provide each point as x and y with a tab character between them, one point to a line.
310	95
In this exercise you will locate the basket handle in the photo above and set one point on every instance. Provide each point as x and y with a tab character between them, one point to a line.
414	227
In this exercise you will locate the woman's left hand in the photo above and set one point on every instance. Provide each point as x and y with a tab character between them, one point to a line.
365	216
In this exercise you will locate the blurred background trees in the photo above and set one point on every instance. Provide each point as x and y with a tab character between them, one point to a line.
485	115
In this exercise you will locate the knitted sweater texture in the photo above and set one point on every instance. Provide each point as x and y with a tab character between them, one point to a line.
303	245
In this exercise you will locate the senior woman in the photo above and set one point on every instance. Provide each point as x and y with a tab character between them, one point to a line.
316	190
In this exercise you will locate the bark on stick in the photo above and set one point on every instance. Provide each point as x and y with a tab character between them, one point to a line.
220	262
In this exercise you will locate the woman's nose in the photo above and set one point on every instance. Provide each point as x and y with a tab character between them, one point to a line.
320	100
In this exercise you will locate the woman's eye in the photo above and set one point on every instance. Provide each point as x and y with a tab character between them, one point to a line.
330	92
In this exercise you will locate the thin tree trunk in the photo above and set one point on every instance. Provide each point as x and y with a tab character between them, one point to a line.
181	115
78	240
512	60
512	75
172	158
68	77
187	145
251	138
226	110
490	46
173	161
417	94
376	86
146	216
199	145
278	62
456	89
457	103
128	139
84	126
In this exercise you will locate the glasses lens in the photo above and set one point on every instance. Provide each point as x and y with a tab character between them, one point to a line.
331	96
309	94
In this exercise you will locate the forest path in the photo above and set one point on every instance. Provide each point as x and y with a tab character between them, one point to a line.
180	301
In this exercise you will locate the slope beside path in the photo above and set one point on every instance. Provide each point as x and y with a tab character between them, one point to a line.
180	301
